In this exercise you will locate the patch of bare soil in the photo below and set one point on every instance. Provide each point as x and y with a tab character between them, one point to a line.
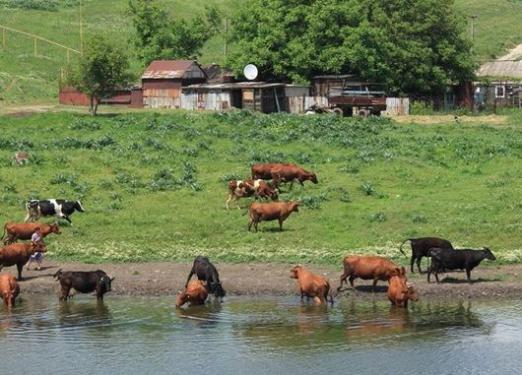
165	279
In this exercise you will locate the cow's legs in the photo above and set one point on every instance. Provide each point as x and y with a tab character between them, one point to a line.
65	292
228	200
351	281
67	218
419	263
280	224
19	266
468	274
343	279
374	284
412	261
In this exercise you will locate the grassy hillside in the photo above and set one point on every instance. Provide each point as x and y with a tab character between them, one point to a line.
154	185
26	79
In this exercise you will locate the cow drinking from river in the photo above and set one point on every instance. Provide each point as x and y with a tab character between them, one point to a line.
206	271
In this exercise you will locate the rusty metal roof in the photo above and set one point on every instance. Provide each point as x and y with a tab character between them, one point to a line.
168	69
501	69
234	85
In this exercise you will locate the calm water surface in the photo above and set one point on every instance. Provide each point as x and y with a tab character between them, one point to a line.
265	335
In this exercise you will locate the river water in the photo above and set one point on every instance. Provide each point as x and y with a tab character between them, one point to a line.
268	335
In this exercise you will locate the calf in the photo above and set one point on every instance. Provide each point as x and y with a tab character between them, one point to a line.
311	285
247	188
19	254
400	291
457	259
9	289
195	293
271	211
24	231
420	248
84	282
60	208
367	268
205	271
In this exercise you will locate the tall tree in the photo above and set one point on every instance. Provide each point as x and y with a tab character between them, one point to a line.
415	46
157	36
102	70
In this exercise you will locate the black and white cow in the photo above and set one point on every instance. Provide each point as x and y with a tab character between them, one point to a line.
60	208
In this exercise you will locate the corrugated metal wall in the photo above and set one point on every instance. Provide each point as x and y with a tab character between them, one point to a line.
397	106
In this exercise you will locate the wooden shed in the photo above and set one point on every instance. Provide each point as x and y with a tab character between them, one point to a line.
163	79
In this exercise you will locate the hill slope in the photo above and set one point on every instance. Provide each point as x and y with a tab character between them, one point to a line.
154	186
28	79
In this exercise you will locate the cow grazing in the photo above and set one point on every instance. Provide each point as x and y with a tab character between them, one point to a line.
21	158
19	254
271	211
367	268
457	259
24	231
420	248
247	188
195	293
9	289
311	285
282	172
60	208
206	271
84	282
400	291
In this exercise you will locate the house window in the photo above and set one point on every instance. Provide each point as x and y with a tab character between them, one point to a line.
500	91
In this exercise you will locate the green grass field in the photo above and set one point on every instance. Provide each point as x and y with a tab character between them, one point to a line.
154	185
27	79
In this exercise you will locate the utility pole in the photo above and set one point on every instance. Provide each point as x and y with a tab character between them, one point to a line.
81	30
473	18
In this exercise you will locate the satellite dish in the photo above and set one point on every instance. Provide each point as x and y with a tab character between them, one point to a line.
250	72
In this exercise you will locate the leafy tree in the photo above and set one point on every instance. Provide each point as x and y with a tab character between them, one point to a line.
415	46
102	69
157	36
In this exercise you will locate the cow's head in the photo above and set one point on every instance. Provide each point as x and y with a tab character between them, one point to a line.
294	206
488	254
313	177
54	228
78	206
181	299
412	293
218	289
105	282
39	247
294	272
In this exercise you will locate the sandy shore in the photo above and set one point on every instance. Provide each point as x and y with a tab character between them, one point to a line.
164	279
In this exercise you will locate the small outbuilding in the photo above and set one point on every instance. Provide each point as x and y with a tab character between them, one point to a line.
499	84
162	81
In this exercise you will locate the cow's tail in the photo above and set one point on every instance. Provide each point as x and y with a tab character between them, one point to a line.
58	274
402	244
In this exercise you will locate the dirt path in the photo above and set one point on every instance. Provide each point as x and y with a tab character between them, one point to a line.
159	279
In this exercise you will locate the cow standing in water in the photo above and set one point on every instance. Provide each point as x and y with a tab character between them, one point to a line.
400	291
311	285
60	208
84	282
206	271
195	293
9	289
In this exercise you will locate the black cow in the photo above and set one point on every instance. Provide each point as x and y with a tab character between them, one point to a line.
420	248
207	272
60	208
456	259
84	282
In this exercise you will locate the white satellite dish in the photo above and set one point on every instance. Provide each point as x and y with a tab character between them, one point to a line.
250	72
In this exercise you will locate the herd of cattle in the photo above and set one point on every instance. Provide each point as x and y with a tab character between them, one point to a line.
264	184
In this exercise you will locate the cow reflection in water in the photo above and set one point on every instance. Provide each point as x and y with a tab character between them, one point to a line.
202	316
86	314
311	318
378	323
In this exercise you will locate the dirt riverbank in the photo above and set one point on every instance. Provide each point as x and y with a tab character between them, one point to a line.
164	279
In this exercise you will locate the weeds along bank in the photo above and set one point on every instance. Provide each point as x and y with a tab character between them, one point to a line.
154	185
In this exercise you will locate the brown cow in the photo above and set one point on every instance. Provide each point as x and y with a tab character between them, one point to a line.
19	254
24	231
270	211
311	285
399	290
247	188
196	293
9	289
367	268
282	172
